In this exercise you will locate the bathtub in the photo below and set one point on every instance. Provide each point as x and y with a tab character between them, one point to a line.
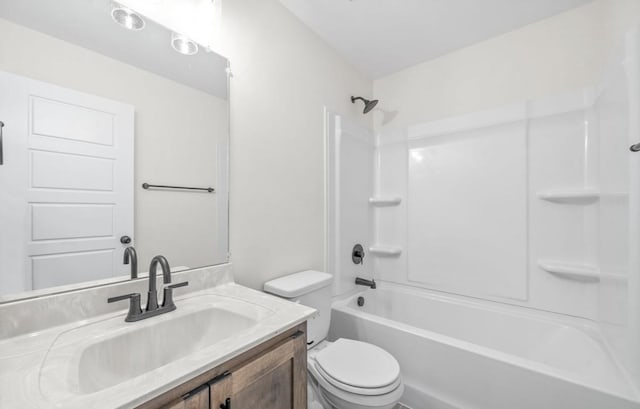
459	353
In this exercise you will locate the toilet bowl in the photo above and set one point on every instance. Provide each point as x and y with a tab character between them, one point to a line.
344	374
355	375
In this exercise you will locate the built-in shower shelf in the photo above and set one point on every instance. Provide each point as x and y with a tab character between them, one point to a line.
385	201
571	271
385	251
570	196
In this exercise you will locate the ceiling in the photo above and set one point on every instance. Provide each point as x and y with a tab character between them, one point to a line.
380	37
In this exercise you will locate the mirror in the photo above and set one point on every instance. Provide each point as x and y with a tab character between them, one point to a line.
92	112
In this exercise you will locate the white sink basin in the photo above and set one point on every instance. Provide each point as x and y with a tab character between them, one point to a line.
101	355
127	355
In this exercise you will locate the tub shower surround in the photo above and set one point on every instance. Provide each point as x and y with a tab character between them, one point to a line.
502	242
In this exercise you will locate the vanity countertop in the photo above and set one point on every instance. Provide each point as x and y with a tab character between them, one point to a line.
37	368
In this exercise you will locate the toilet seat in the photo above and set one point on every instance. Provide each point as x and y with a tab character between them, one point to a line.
353	389
341	398
358	367
356	375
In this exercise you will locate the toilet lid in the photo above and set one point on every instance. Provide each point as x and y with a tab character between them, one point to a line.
358	364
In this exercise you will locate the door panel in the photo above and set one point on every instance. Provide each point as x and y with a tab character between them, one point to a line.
74	265
77	172
71	221
274	390
261	366
49	118
220	389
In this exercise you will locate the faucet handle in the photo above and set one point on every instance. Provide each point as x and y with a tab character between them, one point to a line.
167	299
178	285
123	297
134	306
357	254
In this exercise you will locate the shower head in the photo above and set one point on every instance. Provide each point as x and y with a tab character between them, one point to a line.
368	105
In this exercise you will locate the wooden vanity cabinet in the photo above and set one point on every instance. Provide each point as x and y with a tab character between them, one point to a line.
272	375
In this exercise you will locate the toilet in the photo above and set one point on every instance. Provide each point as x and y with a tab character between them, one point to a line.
344	374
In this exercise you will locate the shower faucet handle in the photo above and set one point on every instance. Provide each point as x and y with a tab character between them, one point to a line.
357	255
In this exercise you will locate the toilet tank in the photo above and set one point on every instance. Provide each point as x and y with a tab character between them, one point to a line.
310	288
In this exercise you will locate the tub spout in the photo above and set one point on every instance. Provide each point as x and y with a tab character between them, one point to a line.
368	283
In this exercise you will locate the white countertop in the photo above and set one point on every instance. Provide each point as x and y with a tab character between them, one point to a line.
22	357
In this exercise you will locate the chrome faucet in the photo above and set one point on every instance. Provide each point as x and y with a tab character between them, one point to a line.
367	283
131	256
135	310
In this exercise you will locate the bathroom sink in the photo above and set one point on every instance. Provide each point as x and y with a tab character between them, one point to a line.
101	355
133	353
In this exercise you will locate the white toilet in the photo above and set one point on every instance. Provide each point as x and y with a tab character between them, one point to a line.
344	374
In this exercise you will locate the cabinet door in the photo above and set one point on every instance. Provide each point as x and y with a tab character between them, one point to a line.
221	390
196	399
277	379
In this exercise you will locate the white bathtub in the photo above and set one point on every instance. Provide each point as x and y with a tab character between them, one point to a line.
465	354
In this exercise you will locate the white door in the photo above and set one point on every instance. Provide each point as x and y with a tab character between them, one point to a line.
66	185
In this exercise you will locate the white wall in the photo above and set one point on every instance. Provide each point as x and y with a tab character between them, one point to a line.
283	76
563	53
177	133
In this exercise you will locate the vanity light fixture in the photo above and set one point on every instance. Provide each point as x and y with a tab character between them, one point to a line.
127	18
183	44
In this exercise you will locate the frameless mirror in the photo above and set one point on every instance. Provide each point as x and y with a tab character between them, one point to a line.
115	136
